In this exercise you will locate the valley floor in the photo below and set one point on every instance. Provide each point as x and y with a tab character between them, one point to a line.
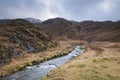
101	61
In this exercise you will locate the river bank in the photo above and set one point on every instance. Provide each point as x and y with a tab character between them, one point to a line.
18	64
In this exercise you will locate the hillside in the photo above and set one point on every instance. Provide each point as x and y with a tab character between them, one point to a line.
59	28
86	30
101	31
18	37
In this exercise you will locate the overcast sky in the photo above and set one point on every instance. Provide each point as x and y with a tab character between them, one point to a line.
78	10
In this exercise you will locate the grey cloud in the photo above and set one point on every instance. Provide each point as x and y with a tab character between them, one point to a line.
92	9
70	9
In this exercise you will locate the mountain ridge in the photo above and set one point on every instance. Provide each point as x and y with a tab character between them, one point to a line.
85	30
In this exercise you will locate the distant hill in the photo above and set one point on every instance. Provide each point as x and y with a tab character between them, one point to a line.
33	20
100	31
59	28
86	30
19	36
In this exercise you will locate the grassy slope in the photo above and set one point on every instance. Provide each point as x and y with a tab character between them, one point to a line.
17	63
101	61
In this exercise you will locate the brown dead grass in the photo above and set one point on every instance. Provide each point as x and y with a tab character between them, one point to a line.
90	65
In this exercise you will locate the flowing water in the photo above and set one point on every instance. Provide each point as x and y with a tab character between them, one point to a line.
38	71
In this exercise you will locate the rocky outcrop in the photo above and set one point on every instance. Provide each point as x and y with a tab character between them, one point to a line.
18	37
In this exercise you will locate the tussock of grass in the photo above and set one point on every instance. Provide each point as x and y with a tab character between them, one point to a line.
81	65
102	60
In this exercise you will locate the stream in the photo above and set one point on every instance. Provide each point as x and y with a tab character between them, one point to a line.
38	71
